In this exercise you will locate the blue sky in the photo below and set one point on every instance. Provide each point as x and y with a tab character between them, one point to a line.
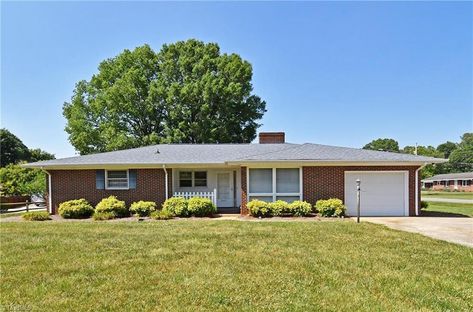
333	73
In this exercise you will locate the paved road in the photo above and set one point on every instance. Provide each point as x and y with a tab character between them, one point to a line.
448	200
455	230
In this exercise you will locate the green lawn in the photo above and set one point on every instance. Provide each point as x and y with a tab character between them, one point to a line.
458	195
449	208
212	265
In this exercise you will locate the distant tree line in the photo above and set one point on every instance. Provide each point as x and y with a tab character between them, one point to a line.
14	179
459	155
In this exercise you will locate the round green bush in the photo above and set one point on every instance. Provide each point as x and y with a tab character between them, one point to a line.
36	216
201	207
300	208
278	207
142	208
75	209
424	204
332	207
259	208
176	206
161	215
99	216
113	205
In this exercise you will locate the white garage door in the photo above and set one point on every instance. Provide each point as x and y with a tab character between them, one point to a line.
383	193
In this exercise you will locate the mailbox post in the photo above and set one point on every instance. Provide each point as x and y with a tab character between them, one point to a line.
358	190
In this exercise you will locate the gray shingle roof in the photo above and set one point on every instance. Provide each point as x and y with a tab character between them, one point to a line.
234	153
450	176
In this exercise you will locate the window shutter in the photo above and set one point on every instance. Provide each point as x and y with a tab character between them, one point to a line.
100	179
132	179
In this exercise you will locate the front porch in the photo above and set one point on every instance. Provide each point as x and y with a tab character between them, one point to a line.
220	185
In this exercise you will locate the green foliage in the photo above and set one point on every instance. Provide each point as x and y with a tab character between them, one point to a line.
75	209
113	205
278	207
259	208
461	159
300	208
387	145
161	215
447	148
12	149
142	208
188	92
38	154
201	207
424	204
332	207
36	216
101	216
16	180
176	206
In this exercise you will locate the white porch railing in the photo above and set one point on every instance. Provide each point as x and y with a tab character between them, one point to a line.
210	195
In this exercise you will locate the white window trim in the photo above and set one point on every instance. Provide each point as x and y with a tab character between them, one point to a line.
464	182
192	179
118	188
273	194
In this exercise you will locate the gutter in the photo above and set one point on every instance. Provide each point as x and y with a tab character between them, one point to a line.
417	187
165	181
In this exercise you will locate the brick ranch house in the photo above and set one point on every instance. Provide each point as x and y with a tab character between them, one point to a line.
462	182
233	174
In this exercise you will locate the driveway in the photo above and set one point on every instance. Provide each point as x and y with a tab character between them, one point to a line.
448	200
455	230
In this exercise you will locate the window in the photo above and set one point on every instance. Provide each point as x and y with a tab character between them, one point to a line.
192	178
271	184
465	182
200	178
117	179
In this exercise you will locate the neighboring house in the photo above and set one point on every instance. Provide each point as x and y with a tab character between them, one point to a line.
233	174
450	181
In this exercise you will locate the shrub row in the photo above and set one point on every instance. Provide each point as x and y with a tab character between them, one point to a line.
196	207
332	207
107	208
36	216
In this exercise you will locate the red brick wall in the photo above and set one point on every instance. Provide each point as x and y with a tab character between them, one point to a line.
75	184
451	187
244	191
329	182
272	137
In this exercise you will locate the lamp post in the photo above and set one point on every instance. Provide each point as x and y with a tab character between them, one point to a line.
358	191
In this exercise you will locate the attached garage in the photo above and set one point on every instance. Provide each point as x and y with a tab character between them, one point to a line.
383	193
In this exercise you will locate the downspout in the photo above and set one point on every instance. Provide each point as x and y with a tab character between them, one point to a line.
50	188
165	181
417	187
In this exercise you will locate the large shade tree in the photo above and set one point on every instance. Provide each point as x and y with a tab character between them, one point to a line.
188	92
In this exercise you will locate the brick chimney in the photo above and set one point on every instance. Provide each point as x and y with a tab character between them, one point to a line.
272	137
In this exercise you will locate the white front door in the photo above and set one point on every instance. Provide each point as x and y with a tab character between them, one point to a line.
224	189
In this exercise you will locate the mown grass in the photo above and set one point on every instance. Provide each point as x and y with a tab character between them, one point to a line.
456	195
197	265
450	208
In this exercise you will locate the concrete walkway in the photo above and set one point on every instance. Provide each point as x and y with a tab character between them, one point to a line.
455	230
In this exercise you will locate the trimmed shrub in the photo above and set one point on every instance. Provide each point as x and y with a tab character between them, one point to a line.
113	205
176	206
424	204
161	215
278	207
36	216
142	208
299	208
259	208
75	209
99	216
201	207
332	207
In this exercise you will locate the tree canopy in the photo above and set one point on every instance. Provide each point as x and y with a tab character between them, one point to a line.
386	145
188	92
